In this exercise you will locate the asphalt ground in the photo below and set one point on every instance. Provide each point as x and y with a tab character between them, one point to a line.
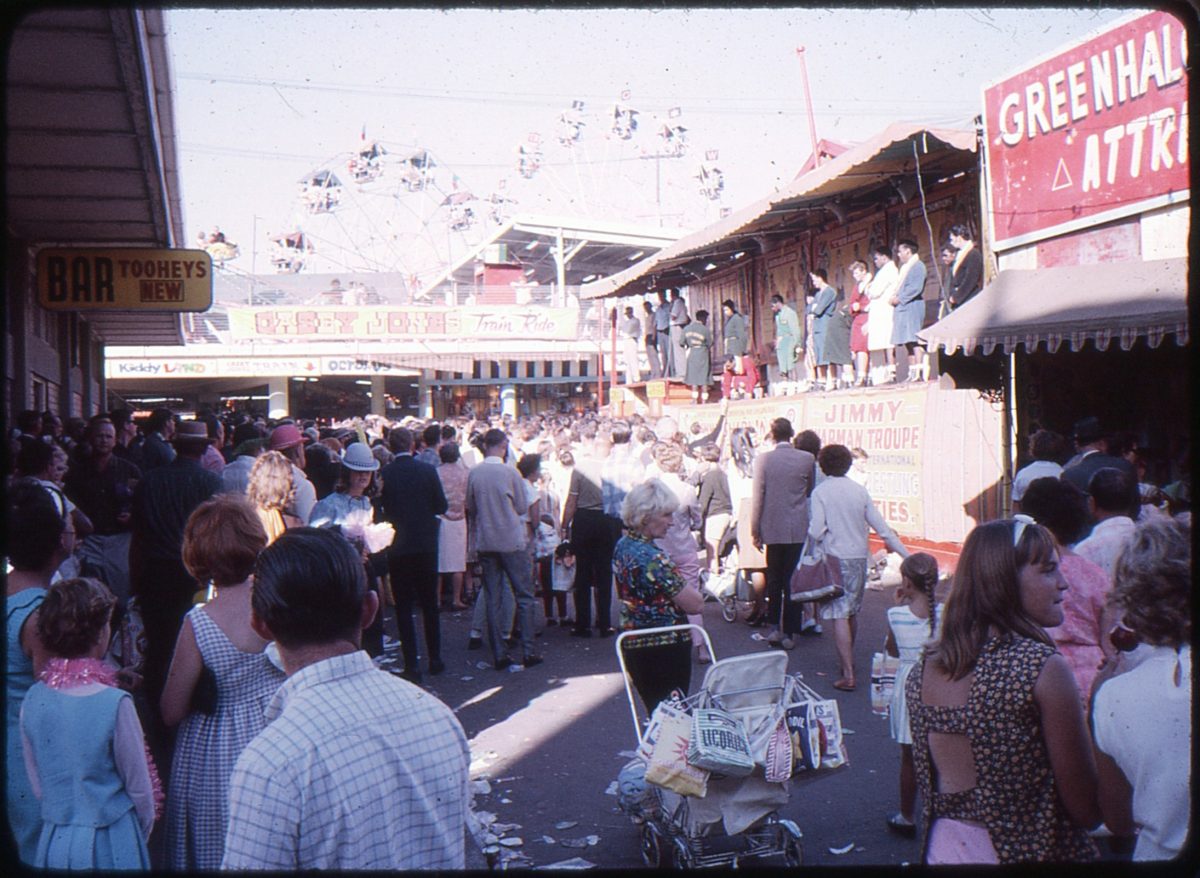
550	740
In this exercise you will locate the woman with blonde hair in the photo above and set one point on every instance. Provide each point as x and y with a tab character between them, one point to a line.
652	595
271	491
1003	760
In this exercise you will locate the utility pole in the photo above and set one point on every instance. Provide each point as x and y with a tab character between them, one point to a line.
812	125
253	260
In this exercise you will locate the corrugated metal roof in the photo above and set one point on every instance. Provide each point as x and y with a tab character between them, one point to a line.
607	247
880	158
90	157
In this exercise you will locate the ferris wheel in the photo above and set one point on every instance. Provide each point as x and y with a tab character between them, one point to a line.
382	207
388	207
615	159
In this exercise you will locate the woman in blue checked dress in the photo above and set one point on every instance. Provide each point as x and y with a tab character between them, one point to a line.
652	594
219	684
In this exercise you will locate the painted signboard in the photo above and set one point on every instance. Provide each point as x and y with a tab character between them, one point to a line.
931	463
124	279
372	323
1095	132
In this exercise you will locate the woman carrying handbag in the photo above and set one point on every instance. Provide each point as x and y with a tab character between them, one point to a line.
841	513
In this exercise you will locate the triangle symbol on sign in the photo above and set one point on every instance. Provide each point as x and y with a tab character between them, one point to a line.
1062	177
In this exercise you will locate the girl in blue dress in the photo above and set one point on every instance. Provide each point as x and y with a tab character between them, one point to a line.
84	749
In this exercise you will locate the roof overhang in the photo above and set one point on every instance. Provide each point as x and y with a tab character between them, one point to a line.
91	151
595	246
1124	301
882	166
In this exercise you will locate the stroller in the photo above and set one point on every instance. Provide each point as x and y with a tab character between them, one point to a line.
737	819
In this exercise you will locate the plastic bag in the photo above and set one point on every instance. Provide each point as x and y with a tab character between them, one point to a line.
883	681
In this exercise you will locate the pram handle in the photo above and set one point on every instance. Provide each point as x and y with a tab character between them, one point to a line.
641	632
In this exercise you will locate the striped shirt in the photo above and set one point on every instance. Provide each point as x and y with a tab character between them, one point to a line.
356	769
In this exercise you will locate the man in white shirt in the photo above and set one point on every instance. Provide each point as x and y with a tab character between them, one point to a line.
631	338
496	498
1111	499
356	769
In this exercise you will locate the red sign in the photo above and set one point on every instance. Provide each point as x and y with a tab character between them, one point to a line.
1096	132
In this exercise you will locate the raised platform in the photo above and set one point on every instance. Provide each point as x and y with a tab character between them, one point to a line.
650	397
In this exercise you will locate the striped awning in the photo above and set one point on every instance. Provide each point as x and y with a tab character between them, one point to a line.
1101	303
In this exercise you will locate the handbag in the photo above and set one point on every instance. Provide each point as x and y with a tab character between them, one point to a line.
816	577
883	681
719	743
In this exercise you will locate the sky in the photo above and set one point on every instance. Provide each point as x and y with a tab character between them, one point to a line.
265	96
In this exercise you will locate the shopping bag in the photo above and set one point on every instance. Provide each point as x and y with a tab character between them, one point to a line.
562	577
883	681
654	727
834	752
669	767
806	733
719	743
778	765
818	577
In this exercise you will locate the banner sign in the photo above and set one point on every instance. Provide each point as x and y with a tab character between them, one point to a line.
374	323
1096	132
124	279
889	427
212	367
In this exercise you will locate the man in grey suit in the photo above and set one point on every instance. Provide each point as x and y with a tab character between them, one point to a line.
910	308
783	482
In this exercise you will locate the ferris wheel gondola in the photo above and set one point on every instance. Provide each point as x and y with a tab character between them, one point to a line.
570	124
417	170
289	251
366	165
321	191
624	121
213	242
712	181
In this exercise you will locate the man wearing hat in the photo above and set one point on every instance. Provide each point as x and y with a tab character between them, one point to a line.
162	502
289	441
1093	455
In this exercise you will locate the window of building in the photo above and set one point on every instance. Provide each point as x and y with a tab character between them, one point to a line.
512	368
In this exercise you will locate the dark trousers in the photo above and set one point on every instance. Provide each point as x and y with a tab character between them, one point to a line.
593	541
414	580
372	636
545	572
781	561
656	670
164	591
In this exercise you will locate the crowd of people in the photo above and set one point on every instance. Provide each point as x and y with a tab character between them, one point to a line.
217	584
864	335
